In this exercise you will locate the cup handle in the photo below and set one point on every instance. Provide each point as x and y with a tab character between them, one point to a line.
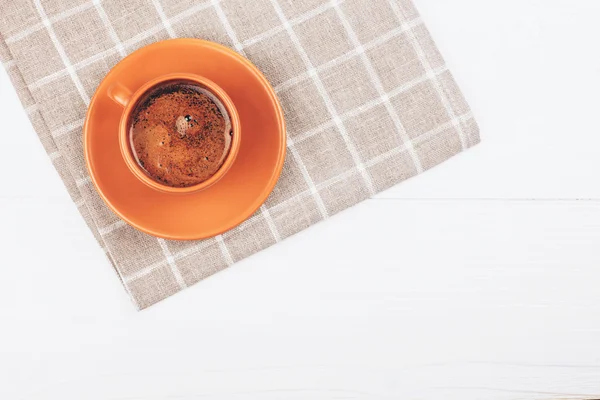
120	94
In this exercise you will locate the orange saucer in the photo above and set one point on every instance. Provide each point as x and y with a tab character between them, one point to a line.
239	193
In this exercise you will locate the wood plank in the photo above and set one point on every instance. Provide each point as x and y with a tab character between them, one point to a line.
392	299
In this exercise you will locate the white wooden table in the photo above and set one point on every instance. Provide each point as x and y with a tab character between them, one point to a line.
478	280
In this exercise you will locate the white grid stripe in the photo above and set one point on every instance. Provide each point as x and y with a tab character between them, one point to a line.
380	90
294	21
55	18
63	130
171	263
265	212
323	92
83	181
55	155
9	64
32	109
308	179
224	250
190	11
307	193
111	228
77	66
230	32
436	84
164	19
109	28
61	52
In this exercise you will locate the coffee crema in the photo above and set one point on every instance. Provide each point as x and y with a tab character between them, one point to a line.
180	134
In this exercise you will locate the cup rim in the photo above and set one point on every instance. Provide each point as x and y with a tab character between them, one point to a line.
125	143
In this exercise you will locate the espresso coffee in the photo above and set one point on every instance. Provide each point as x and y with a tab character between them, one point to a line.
180	134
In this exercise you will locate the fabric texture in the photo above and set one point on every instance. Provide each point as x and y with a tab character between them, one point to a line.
368	100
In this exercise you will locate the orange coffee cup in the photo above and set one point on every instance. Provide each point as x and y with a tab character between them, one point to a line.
128	100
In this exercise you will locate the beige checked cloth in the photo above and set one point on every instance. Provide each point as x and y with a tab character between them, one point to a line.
367	97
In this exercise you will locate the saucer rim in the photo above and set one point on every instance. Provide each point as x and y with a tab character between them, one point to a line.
277	168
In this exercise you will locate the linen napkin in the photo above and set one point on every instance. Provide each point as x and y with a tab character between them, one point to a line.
368	100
